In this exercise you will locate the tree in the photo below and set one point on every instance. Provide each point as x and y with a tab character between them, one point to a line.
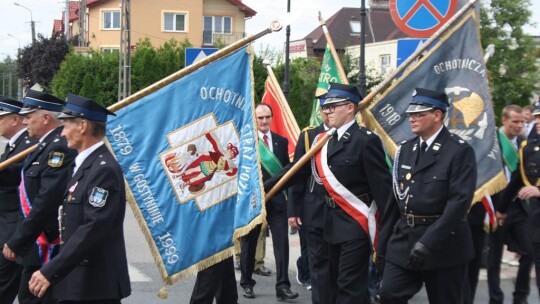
513	71
303	76
39	62
94	76
8	72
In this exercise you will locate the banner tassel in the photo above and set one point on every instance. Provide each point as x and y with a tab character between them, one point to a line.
163	293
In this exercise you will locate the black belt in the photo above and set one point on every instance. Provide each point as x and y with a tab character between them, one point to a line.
414	220
366	198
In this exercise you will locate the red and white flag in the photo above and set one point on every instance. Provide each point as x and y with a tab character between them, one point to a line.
490	221
283	121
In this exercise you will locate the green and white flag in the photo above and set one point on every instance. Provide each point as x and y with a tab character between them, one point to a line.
329	73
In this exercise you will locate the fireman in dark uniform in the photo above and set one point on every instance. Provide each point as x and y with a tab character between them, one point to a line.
45	175
524	185
91	265
425	238
13	129
357	179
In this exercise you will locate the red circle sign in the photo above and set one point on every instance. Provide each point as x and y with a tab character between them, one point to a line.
421	18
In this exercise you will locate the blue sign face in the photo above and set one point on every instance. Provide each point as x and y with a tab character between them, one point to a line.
405	48
196	54
421	18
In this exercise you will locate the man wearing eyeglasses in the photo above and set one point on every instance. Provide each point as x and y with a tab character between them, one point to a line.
352	169
425	238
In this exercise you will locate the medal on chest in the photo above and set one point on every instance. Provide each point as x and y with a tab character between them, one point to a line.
71	190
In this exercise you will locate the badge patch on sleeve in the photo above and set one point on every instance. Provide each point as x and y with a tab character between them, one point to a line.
56	159
98	197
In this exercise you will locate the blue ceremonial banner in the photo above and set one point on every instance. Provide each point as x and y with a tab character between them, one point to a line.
453	65
189	155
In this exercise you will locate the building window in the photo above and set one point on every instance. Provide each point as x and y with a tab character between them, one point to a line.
215	25
174	22
111	20
385	63
355	27
109	49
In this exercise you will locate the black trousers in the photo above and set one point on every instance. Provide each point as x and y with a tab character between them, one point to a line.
279	228
473	267
10	279
536	247
25	296
319	265
518	233
217	281
443	286
115	301
302	263
349	263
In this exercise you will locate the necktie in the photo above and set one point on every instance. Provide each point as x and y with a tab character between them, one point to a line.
421	151
265	138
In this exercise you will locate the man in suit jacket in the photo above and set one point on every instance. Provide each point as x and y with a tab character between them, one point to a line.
12	128
276	213
91	265
45	176
425	238
524	185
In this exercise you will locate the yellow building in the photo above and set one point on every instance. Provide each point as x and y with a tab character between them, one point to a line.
204	23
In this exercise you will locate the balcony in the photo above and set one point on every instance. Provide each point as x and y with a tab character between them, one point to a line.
213	39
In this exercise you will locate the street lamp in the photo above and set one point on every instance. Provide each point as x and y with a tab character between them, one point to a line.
17	40
362	62
287	45
19	83
32	23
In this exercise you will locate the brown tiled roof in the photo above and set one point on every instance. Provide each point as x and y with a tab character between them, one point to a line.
382	28
58	26
244	8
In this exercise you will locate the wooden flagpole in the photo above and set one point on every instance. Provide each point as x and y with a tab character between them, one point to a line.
415	56
330	43
387	82
304	159
274	27
282	99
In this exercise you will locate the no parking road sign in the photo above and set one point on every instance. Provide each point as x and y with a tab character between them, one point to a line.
421	18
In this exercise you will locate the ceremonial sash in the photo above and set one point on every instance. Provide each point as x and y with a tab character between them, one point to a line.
509	152
269	161
45	248
353	206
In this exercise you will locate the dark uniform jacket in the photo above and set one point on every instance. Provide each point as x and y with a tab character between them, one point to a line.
357	160
307	197
92	262
529	167
46	172
10	178
441	184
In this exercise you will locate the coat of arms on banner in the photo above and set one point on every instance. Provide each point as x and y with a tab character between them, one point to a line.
203	167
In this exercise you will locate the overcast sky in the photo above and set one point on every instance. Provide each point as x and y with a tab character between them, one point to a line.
15	20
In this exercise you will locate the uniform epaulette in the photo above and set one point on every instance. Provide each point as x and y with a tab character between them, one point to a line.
366	131
408	140
457	139
531	140
308	128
